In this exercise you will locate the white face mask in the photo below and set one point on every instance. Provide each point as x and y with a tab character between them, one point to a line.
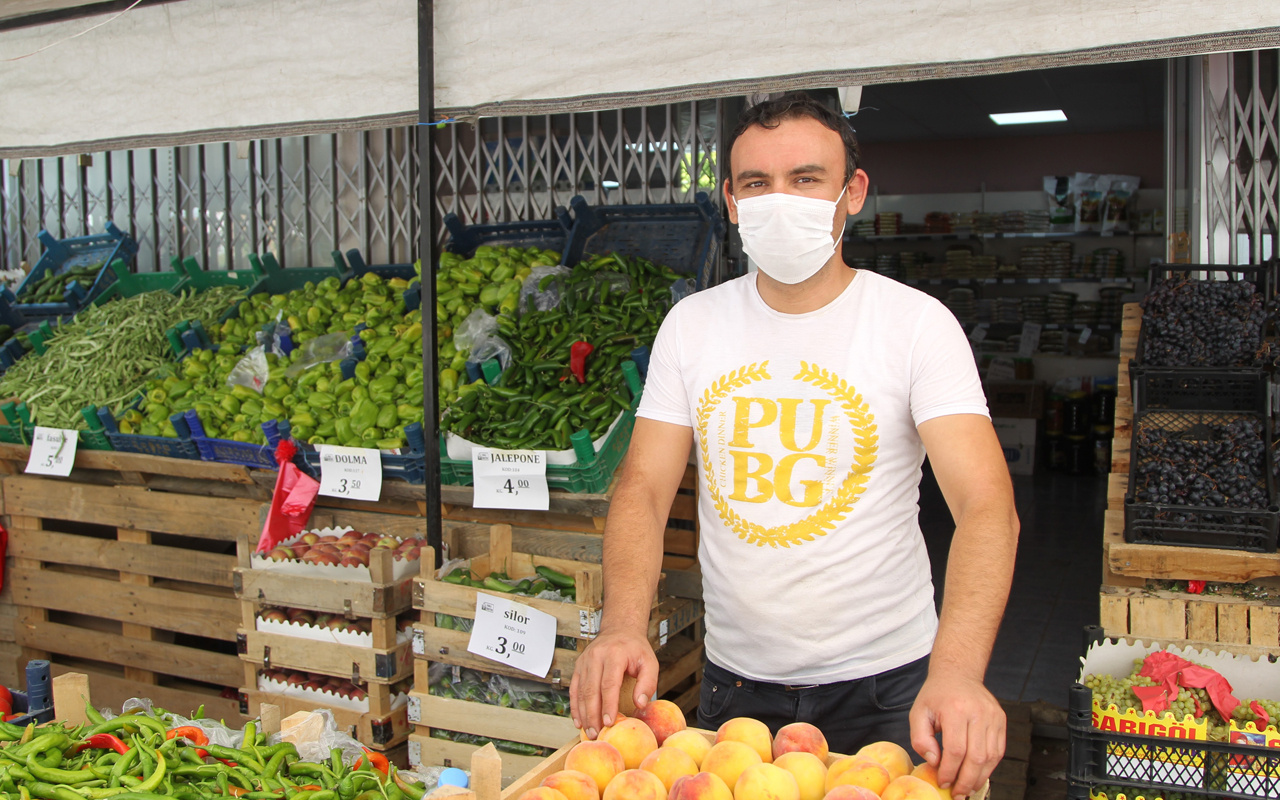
786	235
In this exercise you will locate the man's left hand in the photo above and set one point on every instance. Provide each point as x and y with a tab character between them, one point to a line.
972	725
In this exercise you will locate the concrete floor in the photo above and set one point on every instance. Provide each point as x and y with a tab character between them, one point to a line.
1055	583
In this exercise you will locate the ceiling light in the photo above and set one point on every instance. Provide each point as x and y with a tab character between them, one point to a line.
1029	117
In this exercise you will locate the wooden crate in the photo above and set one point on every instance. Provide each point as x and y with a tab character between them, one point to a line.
424	749
380	731
1207	622
123	578
380	598
385	664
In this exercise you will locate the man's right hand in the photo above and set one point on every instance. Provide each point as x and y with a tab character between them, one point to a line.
598	674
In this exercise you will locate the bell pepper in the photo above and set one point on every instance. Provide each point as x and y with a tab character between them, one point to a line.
387	416
578	353
364	417
342	428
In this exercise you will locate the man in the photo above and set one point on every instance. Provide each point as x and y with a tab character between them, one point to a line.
812	393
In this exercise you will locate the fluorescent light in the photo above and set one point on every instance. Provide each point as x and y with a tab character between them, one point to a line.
609	184
1029	117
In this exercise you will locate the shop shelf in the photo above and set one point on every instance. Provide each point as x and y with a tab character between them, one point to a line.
1250	529
61	255
682	236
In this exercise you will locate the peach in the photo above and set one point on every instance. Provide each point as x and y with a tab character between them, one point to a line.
910	788
802	737
600	760
663	718
574	785
669	764
808	770
542	793
766	782
635	784
582	732
847	791
702	786
929	774
859	772
632	738
889	755
728	759
690	741
751	732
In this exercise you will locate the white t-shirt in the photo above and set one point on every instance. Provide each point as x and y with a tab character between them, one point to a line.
814	568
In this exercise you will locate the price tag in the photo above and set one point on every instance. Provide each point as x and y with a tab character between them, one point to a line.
1030	341
351	472
978	334
1085	334
53	451
513	633
1001	369
510	479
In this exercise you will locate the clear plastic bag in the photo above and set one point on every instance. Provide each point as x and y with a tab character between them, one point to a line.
320	350
478	325
316	739
491	346
251	371
540	294
680	290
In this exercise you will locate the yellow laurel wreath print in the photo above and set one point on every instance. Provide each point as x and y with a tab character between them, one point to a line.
840	505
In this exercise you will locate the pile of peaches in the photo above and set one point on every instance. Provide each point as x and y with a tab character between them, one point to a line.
654	756
351	549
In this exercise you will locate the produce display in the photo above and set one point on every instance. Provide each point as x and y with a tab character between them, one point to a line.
506	746
567	345
549	585
352	548
1215	462
497	690
105	356
655	756
369	409
51	286
1188	323
143	756
319	619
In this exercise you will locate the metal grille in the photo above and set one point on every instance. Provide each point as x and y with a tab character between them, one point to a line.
1241	140
303	197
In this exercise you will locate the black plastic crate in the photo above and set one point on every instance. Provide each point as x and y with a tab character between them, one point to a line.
547	234
1265	277
1204	389
1251	529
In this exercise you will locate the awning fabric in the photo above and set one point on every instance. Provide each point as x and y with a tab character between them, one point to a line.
218	70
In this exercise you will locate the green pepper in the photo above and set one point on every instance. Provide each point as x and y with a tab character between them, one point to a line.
365	418
387	416
319	399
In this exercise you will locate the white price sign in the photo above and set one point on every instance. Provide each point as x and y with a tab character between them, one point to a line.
510	479
351	472
513	633
53	451
1030	341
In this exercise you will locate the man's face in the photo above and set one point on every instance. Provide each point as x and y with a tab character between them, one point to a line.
800	156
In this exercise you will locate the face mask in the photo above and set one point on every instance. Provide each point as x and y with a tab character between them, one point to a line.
787	236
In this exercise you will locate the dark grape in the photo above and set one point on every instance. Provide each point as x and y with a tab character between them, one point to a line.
1189	323
1217	462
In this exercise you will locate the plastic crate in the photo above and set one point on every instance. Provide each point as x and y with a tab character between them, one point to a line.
202	279
683	236
36	703
181	447
17	428
548	234
410	466
277	280
1203	389
1253	530
357	268
1265	277
61	255
129	284
227	451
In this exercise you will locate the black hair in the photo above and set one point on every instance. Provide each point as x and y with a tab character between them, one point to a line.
793	105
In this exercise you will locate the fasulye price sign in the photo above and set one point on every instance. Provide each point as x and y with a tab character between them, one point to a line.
513	633
510	479
53	451
351	472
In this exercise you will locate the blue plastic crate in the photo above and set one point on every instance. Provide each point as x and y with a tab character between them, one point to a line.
36	703
683	236
548	234
61	255
11	350
246	454
410	466
181	447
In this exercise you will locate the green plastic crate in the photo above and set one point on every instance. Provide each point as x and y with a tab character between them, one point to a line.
128	284
204	279
22	431
276	280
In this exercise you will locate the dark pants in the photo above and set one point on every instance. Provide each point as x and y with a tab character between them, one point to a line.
849	713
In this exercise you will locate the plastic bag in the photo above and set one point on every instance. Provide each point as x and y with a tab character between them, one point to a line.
491	346
1089	190
1062	210
450	566
540	294
478	325
277	340
320	350
1115	205
680	290
251	371
316	739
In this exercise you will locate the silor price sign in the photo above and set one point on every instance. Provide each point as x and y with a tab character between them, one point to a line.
510	479
53	451
513	633
351	472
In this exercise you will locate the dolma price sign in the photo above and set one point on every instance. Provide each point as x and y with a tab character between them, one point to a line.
510	479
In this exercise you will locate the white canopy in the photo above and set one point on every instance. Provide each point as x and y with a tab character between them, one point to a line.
217	70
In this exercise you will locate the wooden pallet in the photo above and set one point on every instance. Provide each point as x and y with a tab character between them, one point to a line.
120	575
1211	622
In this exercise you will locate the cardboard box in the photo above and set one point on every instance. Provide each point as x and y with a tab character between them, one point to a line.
1016	399
1018	440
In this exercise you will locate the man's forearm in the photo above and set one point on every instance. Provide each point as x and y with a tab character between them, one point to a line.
979	573
632	558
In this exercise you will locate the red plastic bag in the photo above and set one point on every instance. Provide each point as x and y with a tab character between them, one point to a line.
1171	672
292	501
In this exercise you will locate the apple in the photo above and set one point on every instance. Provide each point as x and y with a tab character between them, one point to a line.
274	615
300	549
336	623
350	561
329	538
310	538
296	679
411	554
280	554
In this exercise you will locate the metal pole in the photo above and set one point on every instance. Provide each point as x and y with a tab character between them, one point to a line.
427	252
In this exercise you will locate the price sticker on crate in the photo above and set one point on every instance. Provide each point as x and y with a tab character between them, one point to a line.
510	479
53	451
351	472
513	633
